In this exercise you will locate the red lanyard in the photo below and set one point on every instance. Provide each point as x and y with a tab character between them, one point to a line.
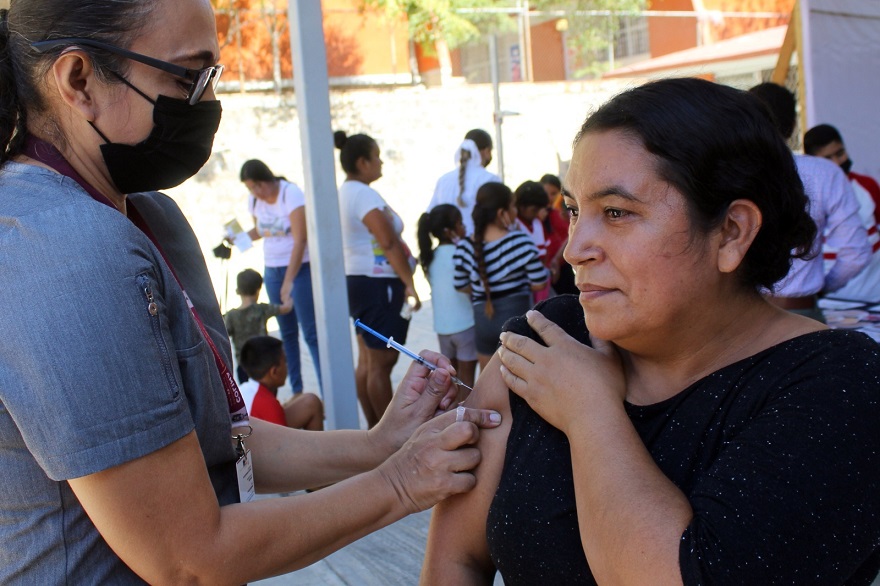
46	153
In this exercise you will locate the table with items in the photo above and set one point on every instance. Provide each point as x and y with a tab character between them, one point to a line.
852	315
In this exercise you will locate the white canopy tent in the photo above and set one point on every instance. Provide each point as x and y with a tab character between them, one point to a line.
842	69
838	53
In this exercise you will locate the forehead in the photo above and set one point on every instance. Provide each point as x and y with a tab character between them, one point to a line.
181	31
608	158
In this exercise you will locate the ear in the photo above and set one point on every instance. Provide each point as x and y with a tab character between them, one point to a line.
275	370
75	80
738	231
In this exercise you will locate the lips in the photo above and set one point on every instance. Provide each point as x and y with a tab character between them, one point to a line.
588	288
590	292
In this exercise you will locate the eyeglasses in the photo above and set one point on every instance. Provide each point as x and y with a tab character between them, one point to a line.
200	78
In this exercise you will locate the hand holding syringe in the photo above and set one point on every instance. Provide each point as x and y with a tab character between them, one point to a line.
390	343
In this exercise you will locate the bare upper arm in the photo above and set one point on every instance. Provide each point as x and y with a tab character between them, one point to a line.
457	551
153	509
298	224
380	227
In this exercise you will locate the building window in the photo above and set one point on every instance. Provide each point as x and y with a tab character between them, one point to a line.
632	37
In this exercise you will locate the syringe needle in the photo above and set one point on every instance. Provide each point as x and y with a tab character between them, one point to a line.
390	343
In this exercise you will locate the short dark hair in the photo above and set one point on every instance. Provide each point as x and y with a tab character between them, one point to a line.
550	179
256	170
481	138
715	144
531	193
259	354
781	104
248	282
820	136
115	22
352	148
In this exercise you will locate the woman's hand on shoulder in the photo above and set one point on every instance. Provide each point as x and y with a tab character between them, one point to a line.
421	395
563	378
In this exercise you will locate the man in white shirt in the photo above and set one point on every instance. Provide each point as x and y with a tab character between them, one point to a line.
834	208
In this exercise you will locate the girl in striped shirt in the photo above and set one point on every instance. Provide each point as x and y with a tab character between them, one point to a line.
499	267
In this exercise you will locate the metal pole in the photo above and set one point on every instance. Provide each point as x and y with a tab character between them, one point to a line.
328	271
521	30
498	116
530	75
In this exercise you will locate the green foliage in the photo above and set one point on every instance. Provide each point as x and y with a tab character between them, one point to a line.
430	20
592	24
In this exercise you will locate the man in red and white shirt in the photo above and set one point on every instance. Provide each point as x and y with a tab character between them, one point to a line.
825	141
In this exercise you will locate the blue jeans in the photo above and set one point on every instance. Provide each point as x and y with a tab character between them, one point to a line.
303	314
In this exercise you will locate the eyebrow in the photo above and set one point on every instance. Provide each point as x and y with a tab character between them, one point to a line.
205	56
613	190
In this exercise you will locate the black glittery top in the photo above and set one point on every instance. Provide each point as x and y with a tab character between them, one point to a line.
778	454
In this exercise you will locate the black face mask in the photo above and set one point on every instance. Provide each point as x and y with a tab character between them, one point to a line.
846	166
177	147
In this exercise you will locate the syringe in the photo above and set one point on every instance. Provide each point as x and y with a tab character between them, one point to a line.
390	343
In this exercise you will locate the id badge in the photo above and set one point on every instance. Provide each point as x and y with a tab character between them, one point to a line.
244	466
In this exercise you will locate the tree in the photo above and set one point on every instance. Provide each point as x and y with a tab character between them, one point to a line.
254	38
436	20
592	24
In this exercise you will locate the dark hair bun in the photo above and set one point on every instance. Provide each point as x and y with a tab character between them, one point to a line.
339	138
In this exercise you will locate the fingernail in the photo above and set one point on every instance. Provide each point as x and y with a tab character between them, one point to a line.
495	417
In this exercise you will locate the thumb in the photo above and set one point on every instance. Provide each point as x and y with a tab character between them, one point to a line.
486	418
546	329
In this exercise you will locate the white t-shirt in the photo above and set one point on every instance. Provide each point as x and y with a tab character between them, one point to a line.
273	224
447	190
363	255
248	391
453	311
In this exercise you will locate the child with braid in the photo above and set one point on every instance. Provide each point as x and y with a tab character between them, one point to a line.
498	266
459	186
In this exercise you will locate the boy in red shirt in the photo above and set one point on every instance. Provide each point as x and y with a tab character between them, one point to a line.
262	357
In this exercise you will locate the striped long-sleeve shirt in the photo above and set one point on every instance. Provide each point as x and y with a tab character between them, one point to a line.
512	264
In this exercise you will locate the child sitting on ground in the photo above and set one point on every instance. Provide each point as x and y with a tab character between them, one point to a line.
249	318
453	311
265	363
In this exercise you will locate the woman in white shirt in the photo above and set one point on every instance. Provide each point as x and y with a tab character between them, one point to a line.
377	268
278	209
